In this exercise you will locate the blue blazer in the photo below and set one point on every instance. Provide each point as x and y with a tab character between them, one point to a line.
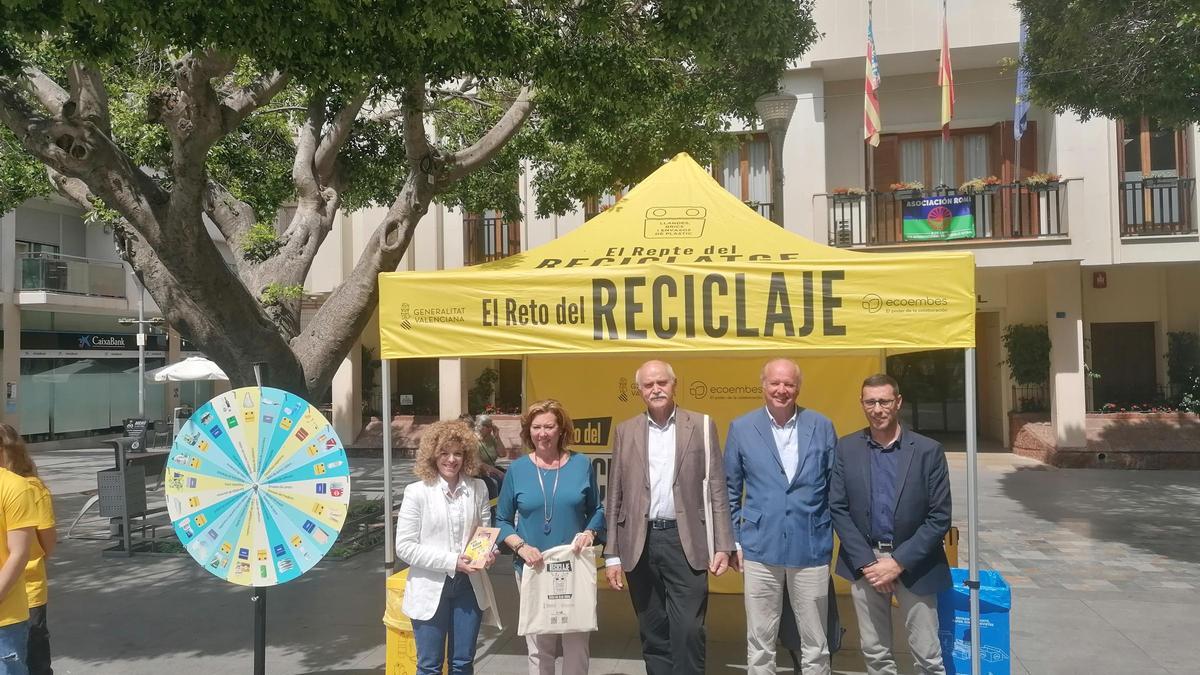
778	522
922	510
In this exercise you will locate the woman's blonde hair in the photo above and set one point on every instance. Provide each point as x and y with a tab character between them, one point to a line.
13	454
437	438
565	426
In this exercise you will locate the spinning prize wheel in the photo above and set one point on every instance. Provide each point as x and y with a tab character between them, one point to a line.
257	486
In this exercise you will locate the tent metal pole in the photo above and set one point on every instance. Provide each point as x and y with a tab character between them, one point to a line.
972	504
389	545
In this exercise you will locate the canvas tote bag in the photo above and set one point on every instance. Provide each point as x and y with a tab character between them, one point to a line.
561	596
708	507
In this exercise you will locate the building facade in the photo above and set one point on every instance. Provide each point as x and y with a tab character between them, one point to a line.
1104	258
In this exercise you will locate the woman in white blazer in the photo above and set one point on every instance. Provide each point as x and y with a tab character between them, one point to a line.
446	600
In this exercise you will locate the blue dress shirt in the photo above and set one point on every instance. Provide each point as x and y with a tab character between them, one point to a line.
884	484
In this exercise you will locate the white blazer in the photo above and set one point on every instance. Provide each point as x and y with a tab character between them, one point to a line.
423	541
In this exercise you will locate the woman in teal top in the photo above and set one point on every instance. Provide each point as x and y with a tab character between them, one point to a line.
550	497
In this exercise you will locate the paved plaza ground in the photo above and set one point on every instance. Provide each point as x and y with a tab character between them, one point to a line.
1105	567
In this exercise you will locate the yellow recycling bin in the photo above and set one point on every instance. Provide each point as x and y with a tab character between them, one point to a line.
401	647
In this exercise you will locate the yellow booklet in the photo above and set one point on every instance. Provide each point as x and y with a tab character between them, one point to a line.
480	545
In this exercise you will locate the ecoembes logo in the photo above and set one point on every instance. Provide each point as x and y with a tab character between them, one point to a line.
873	302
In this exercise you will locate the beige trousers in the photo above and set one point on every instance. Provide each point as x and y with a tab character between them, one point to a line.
874	610
808	589
546	647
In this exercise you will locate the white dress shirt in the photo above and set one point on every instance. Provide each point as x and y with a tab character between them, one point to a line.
660	448
458	512
786	443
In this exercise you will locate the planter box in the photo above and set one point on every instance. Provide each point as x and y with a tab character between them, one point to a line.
846	198
1044	187
1114	441
908	194
1161	182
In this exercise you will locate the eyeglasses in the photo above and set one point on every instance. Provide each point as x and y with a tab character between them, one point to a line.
881	402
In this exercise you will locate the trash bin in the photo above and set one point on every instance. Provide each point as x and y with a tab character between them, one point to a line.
401	647
954	619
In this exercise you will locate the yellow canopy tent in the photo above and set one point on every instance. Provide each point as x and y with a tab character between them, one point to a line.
680	265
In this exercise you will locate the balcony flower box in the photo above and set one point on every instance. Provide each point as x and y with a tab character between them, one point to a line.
1042	182
1160	182
907	190
986	186
846	195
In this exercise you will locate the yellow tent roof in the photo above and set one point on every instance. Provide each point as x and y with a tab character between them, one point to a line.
679	264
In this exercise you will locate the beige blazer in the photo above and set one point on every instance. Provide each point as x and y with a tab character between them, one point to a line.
627	503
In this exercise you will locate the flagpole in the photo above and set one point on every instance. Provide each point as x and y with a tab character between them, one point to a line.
945	122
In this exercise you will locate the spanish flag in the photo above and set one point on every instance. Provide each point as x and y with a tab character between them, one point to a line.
946	77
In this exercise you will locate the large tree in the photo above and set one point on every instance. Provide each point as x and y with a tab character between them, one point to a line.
158	117
1115	58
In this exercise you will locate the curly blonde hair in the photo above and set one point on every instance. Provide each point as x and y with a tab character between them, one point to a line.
437	438
560	415
14	456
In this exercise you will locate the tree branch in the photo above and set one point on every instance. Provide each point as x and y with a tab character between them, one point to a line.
238	105
232	216
89	97
308	137
335	138
45	90
479	153
416	143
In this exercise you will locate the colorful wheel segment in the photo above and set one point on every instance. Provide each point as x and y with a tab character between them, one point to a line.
257	486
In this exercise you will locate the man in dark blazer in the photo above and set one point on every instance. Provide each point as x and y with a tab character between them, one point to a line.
890	501
778	460
657	529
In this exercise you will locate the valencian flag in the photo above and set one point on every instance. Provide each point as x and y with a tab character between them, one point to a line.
1021	109
946	77
871	123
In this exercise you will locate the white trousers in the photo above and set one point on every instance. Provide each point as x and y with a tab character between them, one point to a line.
874	610
808	590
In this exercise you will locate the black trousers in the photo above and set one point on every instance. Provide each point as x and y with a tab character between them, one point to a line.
38	658
670	599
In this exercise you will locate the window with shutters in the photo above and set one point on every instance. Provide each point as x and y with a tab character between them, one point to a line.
745	171
971	153
489	236
1156	189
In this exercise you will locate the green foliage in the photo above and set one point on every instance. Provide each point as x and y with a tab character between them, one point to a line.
1191	398
621	87
21	177
1115	58
1183	357
260	242
1027	349
480	394
276	294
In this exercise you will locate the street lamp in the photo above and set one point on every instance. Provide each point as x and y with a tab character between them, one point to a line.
775	110
141	322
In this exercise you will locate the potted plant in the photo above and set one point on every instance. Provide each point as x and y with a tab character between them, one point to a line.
907	189
847	194
985	185
1042	182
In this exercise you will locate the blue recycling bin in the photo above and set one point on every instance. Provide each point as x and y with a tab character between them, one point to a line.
954	619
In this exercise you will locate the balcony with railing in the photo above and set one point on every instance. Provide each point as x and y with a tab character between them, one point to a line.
1157	206
761	208
57	273
1006	212
488	238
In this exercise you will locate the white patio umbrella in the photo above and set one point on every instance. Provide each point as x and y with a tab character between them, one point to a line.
191	369
188	370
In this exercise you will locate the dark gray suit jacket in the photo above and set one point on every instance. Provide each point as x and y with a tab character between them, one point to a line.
922	510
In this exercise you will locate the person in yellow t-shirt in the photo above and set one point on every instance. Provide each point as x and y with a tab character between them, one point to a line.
18	522
14	456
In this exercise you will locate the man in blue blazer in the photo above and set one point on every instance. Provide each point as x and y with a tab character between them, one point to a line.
890	499
778	461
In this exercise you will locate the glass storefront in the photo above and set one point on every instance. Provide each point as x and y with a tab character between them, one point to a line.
74	396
